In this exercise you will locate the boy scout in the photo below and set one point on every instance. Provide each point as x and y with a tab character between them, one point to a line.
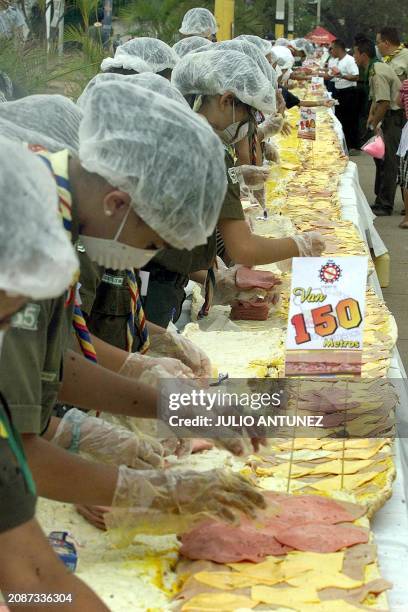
35	360
385	113
27	562
226	87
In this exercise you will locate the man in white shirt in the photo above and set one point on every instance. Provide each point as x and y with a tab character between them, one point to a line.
345	82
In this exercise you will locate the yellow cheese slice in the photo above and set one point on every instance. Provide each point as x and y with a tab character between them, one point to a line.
237	580
350	482
324	579
227	602
362	453
266	569
297	562
289	598
353	443
340	467
279	484
333	605
304	443
283	470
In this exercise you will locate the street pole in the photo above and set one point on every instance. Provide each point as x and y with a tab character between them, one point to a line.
280	19
319	11
107	21
291	18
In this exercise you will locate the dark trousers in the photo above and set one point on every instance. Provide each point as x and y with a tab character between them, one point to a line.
387	168
347	113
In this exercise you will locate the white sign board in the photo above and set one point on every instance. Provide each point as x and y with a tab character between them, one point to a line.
326	315
307	123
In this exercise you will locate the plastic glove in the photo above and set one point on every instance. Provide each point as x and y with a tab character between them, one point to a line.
310	244
106	442
280	102
159	367
271	152
253	177
172	343
216	491
286	128
270	126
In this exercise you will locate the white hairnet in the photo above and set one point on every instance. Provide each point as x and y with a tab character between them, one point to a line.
282	42
301	44
142	55
151	81
199	21
212	72
37	259
248	48
161	153
283	57
263	45
187	45
51	121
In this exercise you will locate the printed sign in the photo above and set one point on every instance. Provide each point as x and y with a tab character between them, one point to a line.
307	123
326	315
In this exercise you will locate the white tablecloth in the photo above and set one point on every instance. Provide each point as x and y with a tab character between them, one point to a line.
390	524
355	208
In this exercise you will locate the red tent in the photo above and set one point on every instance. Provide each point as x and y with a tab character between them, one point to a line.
320	36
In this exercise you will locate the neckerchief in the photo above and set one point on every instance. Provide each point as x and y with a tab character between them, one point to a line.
136	312
58	165
390	56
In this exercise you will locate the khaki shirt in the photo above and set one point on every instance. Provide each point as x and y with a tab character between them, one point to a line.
384	84
31	363
17	489
399	63
202	257
105	302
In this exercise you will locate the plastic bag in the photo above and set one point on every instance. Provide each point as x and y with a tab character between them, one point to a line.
374	147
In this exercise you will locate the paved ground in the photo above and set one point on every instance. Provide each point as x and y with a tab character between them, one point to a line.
396	240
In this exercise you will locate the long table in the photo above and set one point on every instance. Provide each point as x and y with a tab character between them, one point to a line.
390	523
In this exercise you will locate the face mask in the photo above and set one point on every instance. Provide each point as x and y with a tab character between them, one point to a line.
236	131
378	52
278	71
116	255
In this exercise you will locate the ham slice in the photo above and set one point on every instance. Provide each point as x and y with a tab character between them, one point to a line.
247	278
303	516
251	310
308	508
322	538
216	541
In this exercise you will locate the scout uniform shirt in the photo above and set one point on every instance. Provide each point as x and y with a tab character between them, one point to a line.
384	84
17	489
33	348
399	63
170	269
105	302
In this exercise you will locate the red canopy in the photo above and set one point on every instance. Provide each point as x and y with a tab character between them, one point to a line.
320	36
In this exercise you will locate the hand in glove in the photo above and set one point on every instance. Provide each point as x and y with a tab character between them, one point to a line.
286	128
280	102
310	244
221	493
270	126
172	343
107	443
271	152
253	177
136	365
